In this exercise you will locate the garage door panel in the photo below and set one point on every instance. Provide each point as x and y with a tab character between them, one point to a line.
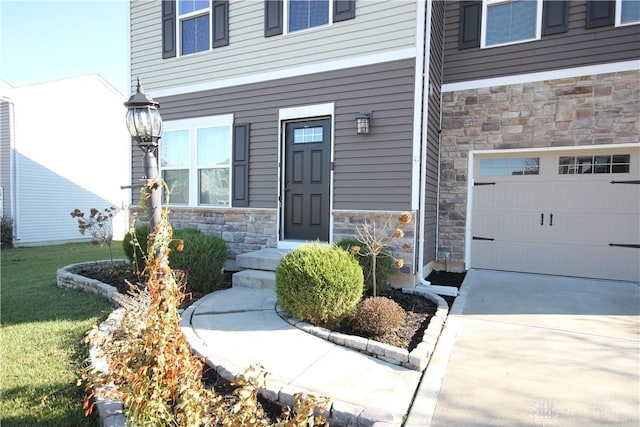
559	224
588	261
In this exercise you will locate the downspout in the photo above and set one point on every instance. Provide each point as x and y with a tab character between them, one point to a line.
422	282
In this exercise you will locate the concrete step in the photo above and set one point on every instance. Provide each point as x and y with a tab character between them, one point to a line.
254	279
264	259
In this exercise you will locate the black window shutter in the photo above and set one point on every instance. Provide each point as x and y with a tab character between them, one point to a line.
220	20
600	13
168	29
555	17
344	10
273	18
470	12
240	165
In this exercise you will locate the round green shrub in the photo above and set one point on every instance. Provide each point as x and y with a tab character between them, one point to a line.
384	264
201	260
320	284
378	316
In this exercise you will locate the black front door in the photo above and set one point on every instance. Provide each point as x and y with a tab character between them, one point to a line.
306	180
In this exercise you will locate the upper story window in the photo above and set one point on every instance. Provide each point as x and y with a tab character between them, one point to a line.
510	21
627	12
305	14
194	20
289	16
195	161
191	26
491	23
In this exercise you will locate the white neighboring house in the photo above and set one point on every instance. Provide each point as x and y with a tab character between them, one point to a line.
63	145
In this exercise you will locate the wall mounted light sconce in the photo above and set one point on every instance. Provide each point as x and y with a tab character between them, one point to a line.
363	122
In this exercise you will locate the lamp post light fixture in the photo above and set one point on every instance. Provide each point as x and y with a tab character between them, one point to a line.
363	122
145	126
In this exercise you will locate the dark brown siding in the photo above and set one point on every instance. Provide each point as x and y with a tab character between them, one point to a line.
577	47
433	129
371	171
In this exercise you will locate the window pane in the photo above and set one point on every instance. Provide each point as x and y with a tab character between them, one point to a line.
308	14
214	187
621	163
178	183
306	135
630	11
567	165
174	149
188	6
511	22
601	164
195	34
214	146
510	166
584	164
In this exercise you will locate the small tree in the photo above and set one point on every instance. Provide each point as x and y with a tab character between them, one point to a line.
99	226
375	240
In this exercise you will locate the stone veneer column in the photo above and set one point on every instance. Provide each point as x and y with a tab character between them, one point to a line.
345	223
580	111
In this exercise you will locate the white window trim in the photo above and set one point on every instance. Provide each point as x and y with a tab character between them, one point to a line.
192	125
619	22
483	27
195	14
285	19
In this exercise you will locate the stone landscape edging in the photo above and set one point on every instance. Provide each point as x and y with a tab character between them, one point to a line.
67	278
111	411
417	359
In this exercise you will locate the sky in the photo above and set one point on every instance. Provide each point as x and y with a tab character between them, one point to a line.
48	40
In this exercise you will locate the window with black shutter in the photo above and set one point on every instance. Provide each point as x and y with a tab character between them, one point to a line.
287	16
191	27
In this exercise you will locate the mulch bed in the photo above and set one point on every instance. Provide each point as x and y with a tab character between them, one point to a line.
418	310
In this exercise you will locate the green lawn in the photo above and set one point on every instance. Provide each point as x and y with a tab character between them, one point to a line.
40	333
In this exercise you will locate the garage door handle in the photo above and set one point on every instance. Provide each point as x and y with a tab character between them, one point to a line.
550	220
541	219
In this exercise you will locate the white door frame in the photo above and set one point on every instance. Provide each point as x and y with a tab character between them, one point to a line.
306	112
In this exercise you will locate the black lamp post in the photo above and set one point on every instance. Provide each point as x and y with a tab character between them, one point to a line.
145	126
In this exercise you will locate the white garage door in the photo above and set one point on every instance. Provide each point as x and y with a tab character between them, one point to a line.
575	214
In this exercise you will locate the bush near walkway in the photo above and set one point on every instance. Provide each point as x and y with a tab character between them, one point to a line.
41	333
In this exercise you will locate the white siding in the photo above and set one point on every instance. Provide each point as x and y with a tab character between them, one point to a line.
379	27
72	150
5	156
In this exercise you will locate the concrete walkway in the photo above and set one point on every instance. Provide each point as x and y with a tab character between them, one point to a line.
534	350
238	327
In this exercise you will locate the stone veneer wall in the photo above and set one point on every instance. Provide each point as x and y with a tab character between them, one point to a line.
346	222
580	111
244	230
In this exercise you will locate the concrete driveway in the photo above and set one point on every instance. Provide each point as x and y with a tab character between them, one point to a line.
535	350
